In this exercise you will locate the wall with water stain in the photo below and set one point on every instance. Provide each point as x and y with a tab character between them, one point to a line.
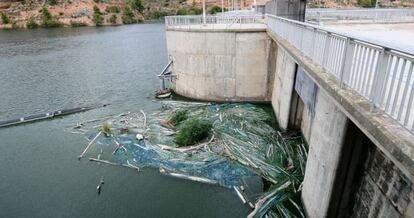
221	65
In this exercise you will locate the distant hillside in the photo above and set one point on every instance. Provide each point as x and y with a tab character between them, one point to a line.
359	3
52	13
31	13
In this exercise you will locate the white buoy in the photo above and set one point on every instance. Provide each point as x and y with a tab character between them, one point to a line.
139	136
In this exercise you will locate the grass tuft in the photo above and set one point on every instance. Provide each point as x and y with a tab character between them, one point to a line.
192	130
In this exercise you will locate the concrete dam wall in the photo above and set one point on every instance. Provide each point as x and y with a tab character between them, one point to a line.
358	164
221	65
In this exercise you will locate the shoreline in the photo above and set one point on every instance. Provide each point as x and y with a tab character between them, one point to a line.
9	27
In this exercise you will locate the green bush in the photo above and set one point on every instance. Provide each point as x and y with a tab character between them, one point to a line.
31	23
137	5
51	23
215	9
178	117
128	16
113	9
97	16
157	14
52	2
366	3
192	131
113	19
4	18
77	24
48	20
189	11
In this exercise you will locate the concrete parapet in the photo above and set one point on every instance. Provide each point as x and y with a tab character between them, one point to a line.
395	142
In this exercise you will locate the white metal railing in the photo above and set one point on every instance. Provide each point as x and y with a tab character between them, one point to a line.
212	21
376	15
382	75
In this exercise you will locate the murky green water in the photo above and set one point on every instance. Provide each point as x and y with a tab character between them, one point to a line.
40	176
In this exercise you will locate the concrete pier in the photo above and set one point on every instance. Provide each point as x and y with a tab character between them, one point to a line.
221	65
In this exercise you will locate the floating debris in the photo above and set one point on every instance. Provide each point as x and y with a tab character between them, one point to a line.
163	93
89	144
50	115
241	144
99	187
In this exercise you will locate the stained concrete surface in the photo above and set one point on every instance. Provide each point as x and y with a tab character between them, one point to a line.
394	35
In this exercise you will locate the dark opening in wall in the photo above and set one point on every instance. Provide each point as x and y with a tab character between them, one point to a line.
296	112
368	183
350	171
304	94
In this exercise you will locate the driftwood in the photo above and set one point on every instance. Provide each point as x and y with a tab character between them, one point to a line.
240	195
186	149
192	178
90	143
103	161
114	164
263	200
145	118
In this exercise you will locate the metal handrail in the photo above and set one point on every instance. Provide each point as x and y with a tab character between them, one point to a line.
196	21
376	15
382	75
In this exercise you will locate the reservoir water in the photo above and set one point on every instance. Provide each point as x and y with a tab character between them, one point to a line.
44	70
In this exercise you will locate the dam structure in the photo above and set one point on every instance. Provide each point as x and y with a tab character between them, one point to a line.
352	98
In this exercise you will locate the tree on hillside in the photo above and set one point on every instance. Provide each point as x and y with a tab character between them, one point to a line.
128	16
4	18
47	19
137	5
97	16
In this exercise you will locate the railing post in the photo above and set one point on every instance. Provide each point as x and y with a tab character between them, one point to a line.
204	12
346	62
379	79
313	41
326	50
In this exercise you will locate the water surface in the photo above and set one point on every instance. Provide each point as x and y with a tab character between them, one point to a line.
47	69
